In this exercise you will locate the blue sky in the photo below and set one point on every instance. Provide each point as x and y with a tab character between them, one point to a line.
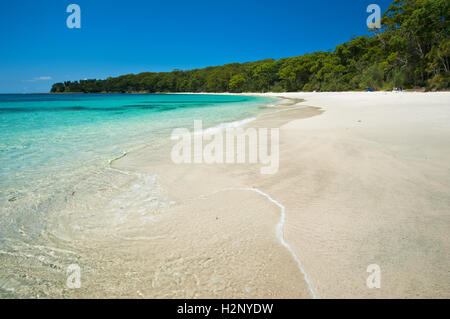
132	36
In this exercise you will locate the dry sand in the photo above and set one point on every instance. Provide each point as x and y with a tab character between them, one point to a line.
368	182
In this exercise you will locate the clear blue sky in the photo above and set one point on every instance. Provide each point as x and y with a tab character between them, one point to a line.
132	36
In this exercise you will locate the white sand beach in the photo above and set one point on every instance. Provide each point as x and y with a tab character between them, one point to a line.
368	182
364	178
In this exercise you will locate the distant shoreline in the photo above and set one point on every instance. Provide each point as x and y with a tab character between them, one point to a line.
420	90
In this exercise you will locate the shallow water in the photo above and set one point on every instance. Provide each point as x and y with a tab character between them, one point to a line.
57	187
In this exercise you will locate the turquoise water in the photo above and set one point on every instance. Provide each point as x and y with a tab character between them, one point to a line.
58	191
45	133
48	143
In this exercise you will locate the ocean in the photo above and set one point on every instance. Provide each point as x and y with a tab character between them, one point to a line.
56	182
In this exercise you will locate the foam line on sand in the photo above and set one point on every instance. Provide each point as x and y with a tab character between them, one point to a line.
280	233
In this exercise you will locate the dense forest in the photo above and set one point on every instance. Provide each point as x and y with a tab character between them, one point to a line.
410	50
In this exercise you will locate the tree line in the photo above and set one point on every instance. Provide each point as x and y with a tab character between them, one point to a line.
410	50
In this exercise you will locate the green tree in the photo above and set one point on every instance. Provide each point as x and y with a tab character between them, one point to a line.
237	83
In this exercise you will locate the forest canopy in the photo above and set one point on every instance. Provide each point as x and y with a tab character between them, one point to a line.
410	50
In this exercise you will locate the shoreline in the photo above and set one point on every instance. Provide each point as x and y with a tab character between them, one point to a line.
212	180
115	213
421	90
352	183
377	188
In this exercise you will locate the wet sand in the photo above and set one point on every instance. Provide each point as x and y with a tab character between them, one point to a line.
222	236
364	179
